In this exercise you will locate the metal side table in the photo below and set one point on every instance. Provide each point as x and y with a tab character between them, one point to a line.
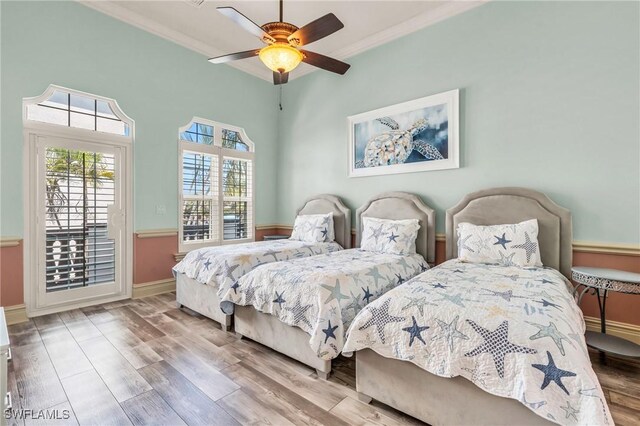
600	281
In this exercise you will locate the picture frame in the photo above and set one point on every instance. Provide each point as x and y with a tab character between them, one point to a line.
415	136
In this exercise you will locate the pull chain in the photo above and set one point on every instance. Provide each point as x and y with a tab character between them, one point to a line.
280	99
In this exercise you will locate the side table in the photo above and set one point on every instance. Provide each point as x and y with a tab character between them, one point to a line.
600	281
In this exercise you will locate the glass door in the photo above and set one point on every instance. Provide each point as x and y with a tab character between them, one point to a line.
80	219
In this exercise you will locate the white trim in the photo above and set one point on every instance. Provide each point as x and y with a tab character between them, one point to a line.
220	153
423	20
450	98
122	148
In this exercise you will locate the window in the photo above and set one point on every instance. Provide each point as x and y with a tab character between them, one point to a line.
216	185
73	109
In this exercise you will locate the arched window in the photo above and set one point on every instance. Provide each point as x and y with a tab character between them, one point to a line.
216	185
69	108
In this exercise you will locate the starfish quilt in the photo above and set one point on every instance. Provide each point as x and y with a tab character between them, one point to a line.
322	294
222	266
514	332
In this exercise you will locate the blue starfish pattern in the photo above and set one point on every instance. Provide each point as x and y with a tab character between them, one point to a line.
393	237
415	331
375	274
528	246
235	287
400	279
201	255
279	300
324	232
207	264
462	244
553	374
380	317
377	233
501	241
329	332
299	312
334	291
546	303
439	285
550	331
497	344
367	294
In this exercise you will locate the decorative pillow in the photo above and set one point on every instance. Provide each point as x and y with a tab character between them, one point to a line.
314	228
389	236
509	245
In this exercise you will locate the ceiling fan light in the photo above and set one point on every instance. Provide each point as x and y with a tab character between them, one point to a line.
280	57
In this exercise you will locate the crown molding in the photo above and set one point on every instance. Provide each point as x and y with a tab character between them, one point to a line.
140	21
418	22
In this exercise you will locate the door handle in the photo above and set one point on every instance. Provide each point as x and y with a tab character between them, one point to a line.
114	221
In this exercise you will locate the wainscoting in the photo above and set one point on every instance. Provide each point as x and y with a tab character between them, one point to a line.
155	253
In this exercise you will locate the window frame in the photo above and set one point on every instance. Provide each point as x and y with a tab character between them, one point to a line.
216	149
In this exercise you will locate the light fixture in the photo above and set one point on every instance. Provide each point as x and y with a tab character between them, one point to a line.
280	57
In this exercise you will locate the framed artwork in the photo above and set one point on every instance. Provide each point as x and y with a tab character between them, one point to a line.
414	136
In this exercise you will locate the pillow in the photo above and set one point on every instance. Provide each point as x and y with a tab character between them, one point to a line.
508	245
389	236
314	228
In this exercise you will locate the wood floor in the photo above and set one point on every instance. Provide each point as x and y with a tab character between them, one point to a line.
145	362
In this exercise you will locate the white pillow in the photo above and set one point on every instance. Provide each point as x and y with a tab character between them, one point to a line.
314	228
389	236
508	245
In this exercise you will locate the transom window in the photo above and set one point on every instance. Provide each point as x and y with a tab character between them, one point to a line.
79	111
216	185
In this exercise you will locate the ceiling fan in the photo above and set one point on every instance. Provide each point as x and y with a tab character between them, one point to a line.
282	53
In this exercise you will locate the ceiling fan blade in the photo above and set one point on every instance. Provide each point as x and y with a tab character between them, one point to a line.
246	23
316	30
279	78
234	56
325	62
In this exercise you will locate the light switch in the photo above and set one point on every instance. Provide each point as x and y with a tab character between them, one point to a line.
161	209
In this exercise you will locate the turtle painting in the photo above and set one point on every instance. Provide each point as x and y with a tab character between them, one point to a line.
396	145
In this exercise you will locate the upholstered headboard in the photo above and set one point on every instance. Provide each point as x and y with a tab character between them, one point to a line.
325	203
499	206
402	205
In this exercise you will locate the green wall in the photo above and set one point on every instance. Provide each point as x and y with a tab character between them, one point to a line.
157	83
549	100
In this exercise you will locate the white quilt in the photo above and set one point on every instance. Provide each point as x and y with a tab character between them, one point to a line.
322	294
222	266
514	332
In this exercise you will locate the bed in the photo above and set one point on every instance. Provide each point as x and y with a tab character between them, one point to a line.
301	307
205	273
494	345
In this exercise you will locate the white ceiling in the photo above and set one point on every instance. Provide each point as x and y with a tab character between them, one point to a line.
204	30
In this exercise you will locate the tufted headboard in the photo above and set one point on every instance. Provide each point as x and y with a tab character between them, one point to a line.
325	203
499	206
402	205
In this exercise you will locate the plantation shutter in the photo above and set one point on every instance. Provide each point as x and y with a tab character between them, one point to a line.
79	188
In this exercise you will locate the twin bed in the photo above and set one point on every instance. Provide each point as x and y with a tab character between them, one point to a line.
462	343
205	274
490	344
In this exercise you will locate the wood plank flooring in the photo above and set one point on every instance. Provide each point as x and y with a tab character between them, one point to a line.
146	362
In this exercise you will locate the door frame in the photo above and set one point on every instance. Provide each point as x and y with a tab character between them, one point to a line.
33	130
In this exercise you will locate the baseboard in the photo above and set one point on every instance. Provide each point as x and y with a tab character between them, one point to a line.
620	329
15	314
154	287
